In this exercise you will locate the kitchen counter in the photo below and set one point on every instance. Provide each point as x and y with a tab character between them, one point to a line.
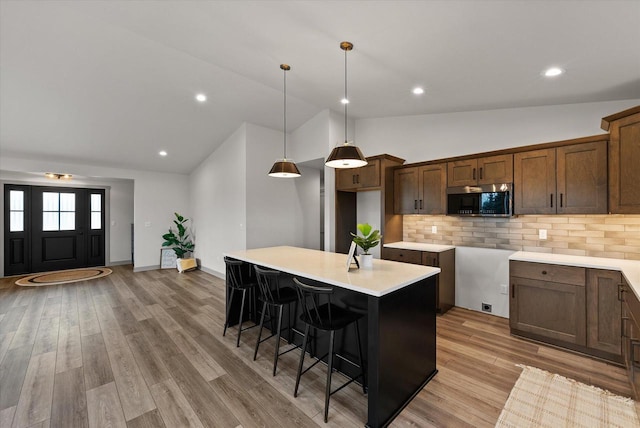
630	268
419	246
385	277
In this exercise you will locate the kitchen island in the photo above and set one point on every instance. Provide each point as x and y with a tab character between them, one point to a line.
398	300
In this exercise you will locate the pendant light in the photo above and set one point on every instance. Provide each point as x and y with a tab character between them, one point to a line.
284	168
346	155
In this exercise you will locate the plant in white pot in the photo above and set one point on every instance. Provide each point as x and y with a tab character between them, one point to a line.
369	239
181	244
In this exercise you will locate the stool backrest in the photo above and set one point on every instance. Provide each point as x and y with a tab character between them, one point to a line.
234	272
269	284
309	297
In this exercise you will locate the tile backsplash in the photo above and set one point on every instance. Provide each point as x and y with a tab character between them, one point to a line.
614	236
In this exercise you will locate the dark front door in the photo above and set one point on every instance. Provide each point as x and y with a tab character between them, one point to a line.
53	228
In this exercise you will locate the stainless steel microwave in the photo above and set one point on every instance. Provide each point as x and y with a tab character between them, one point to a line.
487	200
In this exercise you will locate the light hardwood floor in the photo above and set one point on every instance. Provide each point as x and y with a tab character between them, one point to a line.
146	350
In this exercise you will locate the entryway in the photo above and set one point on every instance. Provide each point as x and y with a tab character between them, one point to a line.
52	228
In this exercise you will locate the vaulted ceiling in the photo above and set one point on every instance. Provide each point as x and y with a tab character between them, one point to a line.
113	82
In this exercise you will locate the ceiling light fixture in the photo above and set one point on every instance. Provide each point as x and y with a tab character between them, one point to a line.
553	71
57	176
346	155
284	168
201	98
418	90
162	153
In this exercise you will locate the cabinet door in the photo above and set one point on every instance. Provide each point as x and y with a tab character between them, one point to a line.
548	309
462	173
368	175
406	256
604	310
624	173
405	191
534	182
495	169
433	189
346	179
582	178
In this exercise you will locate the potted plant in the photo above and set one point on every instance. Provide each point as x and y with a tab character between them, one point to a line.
181	244
369	239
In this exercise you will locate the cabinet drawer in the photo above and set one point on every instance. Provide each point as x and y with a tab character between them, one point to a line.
430	259
547	272
407	256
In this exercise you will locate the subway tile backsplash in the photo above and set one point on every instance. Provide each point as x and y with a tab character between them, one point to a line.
613	236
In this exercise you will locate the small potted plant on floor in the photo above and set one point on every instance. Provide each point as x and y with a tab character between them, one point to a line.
369	239
181	244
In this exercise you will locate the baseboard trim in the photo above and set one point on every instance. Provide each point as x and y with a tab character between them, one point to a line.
212	272
145	268
120	263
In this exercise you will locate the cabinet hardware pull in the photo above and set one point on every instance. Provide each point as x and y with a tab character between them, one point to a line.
358	179
420	203
551	200
415	204
513	291
620	291
560	200
544	272
480	173
353	179
474	173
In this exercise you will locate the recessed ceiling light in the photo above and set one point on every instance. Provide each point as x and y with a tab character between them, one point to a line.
553	71
418	90
344	101
162	153
201	98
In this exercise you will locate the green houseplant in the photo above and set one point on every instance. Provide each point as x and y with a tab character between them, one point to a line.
181	243
369	239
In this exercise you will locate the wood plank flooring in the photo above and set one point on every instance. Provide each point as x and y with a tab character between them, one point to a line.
146	350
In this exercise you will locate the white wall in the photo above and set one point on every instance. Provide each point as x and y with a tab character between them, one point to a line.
218	202
156	197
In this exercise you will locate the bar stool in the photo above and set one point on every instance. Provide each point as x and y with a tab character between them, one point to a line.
331	318
274	296
237	284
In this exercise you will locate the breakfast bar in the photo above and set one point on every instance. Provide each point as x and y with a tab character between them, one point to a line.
399	301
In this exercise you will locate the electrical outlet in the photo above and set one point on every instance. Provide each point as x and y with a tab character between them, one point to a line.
504	288
542	234
486	307
434	229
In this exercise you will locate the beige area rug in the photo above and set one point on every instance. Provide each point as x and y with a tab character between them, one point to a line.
543	399
62	277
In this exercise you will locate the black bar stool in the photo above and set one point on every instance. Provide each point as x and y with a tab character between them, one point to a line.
274	296
237	283
331	318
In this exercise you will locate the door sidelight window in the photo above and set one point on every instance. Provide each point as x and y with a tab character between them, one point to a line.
16	211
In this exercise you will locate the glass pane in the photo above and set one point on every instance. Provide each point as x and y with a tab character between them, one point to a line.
96	203
67	221
16	221
96	221
67	202
50	201
16	200
49	221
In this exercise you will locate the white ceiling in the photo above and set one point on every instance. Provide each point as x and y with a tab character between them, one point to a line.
112	82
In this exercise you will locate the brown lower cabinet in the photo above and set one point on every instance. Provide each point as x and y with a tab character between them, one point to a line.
630	326
445	260
572	307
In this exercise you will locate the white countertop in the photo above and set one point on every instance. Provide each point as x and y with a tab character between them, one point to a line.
630	268
420	246
384	277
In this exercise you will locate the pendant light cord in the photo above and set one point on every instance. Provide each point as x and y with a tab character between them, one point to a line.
285	113
345	97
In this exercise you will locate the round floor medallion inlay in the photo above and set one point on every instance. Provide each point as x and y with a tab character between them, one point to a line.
63	277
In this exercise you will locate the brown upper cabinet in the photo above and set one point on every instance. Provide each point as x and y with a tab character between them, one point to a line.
570	179
486	170
420	190
624	161
367	176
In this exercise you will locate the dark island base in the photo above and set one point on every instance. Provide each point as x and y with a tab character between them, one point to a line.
398	333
